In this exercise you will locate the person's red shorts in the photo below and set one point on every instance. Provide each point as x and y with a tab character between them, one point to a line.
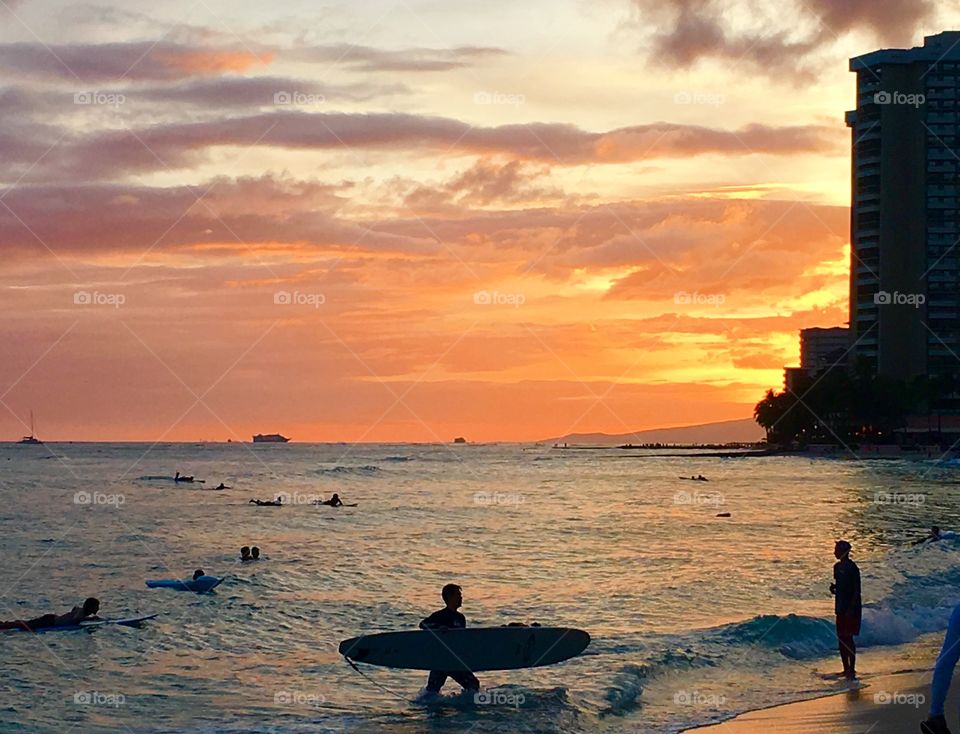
848	625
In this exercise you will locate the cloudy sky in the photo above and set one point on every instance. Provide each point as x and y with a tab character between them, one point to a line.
412	220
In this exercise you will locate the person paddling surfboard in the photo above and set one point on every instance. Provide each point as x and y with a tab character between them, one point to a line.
450	618
76	615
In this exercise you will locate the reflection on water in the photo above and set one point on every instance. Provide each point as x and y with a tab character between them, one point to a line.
693	616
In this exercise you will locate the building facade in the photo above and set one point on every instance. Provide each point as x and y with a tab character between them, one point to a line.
904	228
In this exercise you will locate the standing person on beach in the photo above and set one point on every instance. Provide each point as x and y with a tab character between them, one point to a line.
848	606
942	675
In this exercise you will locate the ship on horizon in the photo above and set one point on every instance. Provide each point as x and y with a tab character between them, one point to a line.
31	440
270	438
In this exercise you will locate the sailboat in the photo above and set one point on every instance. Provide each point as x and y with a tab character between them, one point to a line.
31	439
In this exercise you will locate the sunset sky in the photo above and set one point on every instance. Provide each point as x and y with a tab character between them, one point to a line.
414	220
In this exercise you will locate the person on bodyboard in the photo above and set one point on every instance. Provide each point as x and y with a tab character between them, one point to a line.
449	618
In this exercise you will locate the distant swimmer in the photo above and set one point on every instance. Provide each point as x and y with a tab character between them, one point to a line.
934	535
942	676
268	503
88	611
197	574
848	606
221	486
698	478
178	478
245	553
334	501
449	618
255	554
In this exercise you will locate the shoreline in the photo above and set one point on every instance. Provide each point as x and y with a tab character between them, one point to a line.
893	703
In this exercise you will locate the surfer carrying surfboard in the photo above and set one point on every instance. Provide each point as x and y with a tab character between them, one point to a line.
76	615
450	618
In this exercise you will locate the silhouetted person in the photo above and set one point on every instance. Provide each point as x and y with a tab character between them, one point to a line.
255	554
245	553
942	676
197	574
449	618
933	535
221	486
334	501
76	615
848	606
268	503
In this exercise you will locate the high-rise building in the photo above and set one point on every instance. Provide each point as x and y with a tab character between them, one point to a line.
904	226
821	348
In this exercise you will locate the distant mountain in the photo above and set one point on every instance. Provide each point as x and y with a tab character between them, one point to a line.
744	430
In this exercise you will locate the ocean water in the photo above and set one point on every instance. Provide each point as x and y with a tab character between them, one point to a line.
693	617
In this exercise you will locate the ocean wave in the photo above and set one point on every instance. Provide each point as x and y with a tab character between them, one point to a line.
339	470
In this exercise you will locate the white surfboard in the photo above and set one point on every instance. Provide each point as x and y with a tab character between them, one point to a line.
477	648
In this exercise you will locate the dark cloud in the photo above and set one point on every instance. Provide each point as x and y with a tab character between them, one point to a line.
132	150
784	33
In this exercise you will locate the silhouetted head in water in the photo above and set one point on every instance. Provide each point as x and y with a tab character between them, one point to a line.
842	549
256	553
935	532
452	596
279	500
91	606
197	574
245	553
